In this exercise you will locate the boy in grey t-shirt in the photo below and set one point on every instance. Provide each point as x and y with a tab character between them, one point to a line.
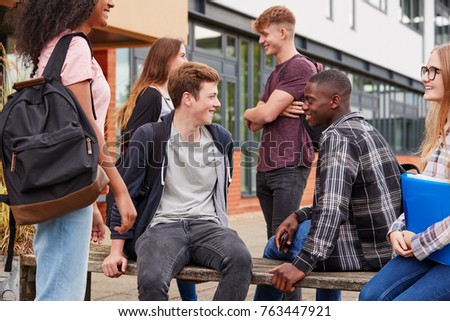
190	180
184	220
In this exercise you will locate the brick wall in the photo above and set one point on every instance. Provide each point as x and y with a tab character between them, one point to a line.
107	61
236	203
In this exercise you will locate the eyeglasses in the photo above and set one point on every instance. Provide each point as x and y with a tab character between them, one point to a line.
432	72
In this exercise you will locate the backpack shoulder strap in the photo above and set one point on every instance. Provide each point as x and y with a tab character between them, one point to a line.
319	66
58	56
12	238
56	61
155	157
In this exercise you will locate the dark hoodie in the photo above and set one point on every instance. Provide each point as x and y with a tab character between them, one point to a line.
138	153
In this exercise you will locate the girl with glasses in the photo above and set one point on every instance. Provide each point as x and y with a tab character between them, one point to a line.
411	275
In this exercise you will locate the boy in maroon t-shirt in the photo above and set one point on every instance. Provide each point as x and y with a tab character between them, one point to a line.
286	151
284	166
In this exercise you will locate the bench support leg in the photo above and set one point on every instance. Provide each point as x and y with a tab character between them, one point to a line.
87	295
27	283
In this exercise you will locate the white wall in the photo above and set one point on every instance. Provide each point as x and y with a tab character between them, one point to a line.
378	37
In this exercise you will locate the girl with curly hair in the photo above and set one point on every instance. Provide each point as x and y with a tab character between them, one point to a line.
61	245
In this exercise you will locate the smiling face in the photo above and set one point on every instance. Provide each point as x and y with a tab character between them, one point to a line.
100	15
434	89
204	107
270	39
318	105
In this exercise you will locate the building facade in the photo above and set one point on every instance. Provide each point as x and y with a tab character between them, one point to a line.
379	44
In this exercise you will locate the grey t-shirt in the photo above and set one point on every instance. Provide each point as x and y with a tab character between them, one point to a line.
166	106
190	181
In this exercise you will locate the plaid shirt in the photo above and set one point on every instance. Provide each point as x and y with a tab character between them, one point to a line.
437	235
357	197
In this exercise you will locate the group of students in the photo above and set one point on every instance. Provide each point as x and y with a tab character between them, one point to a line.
354	223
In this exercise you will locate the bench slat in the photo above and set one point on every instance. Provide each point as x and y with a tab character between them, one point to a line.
349	281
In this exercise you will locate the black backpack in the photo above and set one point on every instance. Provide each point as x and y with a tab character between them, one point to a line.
155	161
48	148
314	132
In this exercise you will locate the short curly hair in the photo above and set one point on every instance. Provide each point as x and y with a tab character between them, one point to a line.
36	22
334	79
275	14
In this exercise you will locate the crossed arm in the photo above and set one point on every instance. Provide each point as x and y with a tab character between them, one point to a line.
280	103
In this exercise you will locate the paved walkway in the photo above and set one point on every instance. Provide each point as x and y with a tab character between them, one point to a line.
250	227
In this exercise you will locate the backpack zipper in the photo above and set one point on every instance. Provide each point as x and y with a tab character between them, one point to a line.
89	145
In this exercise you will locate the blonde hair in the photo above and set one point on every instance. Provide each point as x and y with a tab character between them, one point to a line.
438	114
154	72
275	14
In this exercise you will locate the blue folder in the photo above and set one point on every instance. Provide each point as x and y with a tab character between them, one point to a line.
426	202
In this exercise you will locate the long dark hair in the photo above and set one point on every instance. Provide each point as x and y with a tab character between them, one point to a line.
154	72
36	22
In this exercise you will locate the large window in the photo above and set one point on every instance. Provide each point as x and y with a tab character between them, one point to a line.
396	112
442	22
253	64
208	39
123	75
230	105
231	46
412	14
244	84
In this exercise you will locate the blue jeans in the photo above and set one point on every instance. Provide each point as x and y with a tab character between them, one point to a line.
187	290
61	247
408	279
269	293
279	193
164	249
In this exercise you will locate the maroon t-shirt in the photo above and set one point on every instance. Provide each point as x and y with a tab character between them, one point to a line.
285	139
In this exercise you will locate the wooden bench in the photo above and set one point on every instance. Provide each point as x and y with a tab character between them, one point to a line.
347	281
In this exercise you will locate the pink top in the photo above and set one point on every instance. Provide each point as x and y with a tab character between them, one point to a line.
74	70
